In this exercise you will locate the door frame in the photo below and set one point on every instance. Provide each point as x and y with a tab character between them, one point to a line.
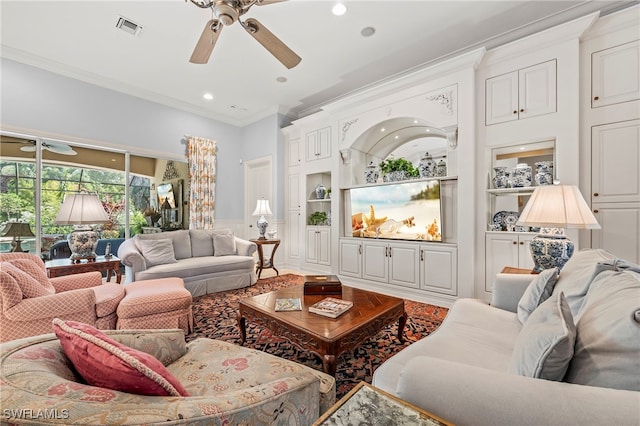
249	204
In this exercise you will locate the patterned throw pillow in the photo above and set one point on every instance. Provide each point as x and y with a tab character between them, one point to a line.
105	363
29	286
34	270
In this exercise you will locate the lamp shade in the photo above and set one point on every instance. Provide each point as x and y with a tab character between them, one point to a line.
81	209
262	208
557	206
17	229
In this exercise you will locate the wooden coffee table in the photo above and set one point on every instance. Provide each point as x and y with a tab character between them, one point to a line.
326	337
60	267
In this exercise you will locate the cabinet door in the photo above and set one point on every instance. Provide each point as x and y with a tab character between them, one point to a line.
324	246
439	269
294	152
620	229
323	143
312	245
311	146
293	235
501	249
351	258
525	260
293	191
501	96
615	75
537	90
375	263
615	162
403	265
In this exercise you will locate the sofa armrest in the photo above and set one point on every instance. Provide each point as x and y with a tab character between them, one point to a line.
166	345
245	247
76	281
465	394
61	305
132	259
508	289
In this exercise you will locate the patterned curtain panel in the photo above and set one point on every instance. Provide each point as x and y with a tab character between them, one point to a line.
201	155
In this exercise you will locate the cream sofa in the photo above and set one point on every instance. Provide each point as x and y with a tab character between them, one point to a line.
228	384
207	260
462	372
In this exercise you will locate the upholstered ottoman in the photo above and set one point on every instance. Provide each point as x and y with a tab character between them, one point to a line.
156	304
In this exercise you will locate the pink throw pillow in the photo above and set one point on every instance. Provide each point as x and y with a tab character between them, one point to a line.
29	286
34	270
105	363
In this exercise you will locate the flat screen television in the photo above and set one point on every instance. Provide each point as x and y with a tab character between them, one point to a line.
402	211
165	192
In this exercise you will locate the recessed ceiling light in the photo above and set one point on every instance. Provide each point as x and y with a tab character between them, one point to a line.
382	129
368	31
339	9
208	96
281	79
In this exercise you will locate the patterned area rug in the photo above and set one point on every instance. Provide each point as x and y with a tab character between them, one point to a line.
215	317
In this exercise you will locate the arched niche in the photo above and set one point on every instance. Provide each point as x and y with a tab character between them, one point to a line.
406	137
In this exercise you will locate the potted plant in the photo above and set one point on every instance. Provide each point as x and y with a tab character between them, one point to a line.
318	218
395	169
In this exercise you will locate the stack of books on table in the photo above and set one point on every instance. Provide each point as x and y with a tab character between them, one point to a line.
331	307
322	284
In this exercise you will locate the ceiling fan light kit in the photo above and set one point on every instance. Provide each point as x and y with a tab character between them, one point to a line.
228	12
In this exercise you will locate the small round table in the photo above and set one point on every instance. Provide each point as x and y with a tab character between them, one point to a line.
262	262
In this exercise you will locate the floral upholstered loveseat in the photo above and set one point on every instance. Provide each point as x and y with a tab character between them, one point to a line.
228	384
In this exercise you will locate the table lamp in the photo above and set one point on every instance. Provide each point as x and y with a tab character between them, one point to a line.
82	210
17	230
553	208
262	208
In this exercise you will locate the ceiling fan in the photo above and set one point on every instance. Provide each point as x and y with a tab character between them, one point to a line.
58	148
227	12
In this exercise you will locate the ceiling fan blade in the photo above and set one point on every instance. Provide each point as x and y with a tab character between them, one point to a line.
207	40
28	148
272	43
268	2
59	148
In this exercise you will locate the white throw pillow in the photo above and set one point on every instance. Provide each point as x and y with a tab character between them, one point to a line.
545	345
157	252
538	291
224	244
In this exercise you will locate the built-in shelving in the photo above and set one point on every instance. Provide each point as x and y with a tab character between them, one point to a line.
400	181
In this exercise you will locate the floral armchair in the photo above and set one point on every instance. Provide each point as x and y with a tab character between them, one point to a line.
29	300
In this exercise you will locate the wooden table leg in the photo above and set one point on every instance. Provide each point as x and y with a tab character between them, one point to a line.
329	363
242	323
401	323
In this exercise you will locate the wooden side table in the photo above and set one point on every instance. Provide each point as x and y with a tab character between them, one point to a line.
60	267
262	262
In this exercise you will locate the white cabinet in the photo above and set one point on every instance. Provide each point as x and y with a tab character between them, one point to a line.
294	153
620	224
439	269
520	94
615	162
294	223
506	249
615	75
318	144
293	235
318	247
393	263
351	257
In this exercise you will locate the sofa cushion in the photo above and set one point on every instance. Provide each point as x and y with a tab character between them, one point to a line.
9	290
198	266
29	285
607	350
157	252
544	346
105	363
180	239
224	244
108	297
35	270
537	292
201	242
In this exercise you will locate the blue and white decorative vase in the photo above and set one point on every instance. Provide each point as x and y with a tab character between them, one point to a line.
501	178
441	168
371	173
551	249
321	191
544	175
395	176
521	176
426	167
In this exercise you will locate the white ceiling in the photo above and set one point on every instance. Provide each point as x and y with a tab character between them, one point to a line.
79	39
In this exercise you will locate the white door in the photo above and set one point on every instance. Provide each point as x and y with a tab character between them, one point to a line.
257	184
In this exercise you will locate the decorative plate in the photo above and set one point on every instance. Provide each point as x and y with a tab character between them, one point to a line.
504	218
